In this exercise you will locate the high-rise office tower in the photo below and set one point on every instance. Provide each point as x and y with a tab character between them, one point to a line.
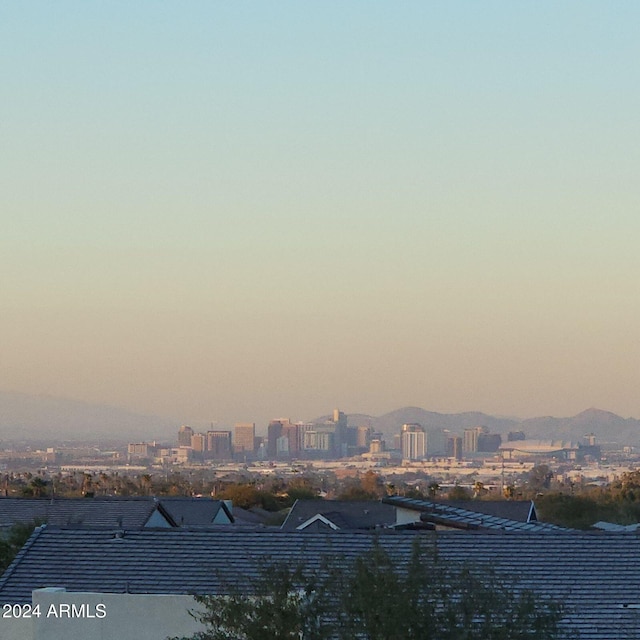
454	447
363	437
184	436
275	430
470	438
219	445
414	442
199	442
244	436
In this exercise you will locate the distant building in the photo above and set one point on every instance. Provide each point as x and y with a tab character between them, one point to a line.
294	446
184	454
539	448
414	442
339	418
320	441
489	442
244	436
340	434
141	450
219	445
184	436
436	442
513	436
363	437
470	438
275	430
282	447
454	447
199	443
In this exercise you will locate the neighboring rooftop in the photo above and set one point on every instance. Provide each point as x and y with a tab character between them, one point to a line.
129	513
520	510
446	515
597	575
188	512
319	515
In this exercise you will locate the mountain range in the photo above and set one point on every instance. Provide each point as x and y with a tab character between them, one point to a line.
47	418
606	426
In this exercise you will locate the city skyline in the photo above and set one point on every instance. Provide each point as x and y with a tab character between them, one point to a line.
229	212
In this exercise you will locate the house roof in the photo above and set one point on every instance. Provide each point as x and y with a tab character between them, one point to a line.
597	575
445	514
194	511
250	517
520	510
87	512
611	526
343	514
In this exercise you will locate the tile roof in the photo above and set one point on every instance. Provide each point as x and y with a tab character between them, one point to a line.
597	575
249	517
345	514
446	515
520	510
194	511
87	512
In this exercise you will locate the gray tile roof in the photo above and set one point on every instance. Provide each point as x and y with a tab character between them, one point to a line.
249	517
87	512
444	514
520	510
345	514
194	511
596	574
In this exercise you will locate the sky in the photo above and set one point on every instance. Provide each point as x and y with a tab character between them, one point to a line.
221	212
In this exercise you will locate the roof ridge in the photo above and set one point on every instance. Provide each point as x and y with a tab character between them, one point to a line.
289	514
25	547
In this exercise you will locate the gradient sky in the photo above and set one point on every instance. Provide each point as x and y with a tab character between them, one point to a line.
236	211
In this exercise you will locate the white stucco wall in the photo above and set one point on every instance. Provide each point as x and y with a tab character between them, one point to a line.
407	516
126	617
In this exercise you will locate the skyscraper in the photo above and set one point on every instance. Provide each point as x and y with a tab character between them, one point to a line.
244	437
470	438
275	430
219	445
454	447
184	436
414	444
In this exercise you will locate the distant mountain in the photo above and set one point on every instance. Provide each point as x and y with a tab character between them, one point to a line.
391	423
607	426
29	417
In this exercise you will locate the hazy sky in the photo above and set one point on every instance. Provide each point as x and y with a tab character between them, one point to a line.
236	211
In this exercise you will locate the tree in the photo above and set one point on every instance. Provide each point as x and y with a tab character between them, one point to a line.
459	493
13	541
540	478
377	598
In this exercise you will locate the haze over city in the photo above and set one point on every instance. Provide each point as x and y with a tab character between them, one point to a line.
234	212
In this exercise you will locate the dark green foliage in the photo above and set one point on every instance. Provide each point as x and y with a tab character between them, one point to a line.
285	604
302	493
459	493
12	541
374	598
